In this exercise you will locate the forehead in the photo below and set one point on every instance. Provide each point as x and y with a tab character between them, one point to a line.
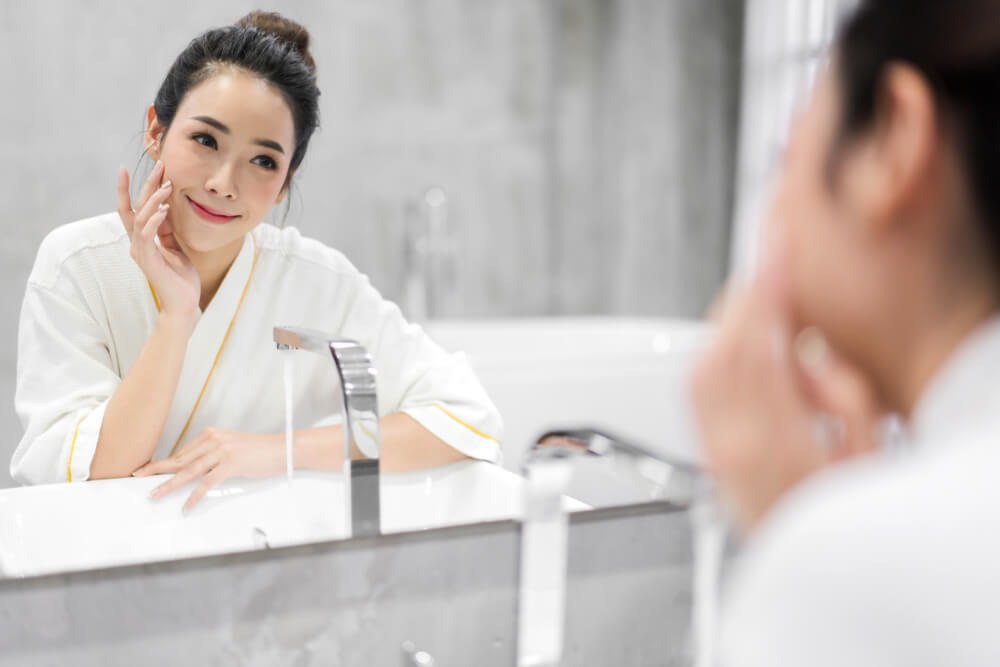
250	106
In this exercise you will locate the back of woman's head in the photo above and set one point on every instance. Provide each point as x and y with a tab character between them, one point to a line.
955	46
264	44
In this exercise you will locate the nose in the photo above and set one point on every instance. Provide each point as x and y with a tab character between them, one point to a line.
222	181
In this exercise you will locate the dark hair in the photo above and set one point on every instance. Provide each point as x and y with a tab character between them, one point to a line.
264	44
955	46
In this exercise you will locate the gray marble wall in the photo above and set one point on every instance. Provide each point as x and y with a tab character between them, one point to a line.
586	146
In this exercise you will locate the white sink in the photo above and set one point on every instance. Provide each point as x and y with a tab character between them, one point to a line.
66	527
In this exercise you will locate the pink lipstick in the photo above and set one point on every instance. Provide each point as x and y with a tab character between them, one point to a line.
210	214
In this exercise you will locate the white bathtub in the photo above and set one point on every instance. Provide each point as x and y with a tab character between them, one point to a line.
627	375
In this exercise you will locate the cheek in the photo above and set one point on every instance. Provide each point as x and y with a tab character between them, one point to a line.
803	213
180	162
266	188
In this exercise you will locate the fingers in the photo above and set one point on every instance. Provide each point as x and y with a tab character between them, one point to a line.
198	468
155	203
166	234
182	457
145	229
842	391
196	447
161	467
125	211
150	186
207	483
153	468
150	212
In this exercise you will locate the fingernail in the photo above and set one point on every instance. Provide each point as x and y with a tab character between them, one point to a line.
811	349
166	184
159	164
164	206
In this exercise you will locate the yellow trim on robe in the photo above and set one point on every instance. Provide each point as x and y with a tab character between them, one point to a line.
474	430
72	445
365	429
155	300
219	353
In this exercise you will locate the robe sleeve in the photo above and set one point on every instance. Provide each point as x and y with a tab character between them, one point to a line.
65	378
417	377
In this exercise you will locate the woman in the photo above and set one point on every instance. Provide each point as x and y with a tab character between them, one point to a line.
885	243
145	341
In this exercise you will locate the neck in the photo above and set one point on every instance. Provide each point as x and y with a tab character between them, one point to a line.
920	346
212	267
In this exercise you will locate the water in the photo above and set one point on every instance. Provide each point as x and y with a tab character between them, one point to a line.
289	465
709	543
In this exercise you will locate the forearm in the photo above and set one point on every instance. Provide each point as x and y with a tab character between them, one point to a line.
137	412
405	445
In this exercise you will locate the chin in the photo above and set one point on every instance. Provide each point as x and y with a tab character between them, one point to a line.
203	240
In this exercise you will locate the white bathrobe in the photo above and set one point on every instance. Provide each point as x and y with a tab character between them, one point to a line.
887	562
88	310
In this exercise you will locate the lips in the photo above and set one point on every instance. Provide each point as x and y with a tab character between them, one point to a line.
210	214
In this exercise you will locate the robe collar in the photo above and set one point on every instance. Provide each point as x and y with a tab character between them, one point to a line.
964	395
206	347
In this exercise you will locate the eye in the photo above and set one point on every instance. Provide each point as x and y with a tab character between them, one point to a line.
205	139
265	161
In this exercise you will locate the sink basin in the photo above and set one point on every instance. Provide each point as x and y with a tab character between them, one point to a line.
65	527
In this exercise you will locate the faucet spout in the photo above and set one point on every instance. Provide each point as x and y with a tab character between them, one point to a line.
361	428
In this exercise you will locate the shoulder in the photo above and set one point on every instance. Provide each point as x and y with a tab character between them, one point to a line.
857	547
887	499
289	247
98	236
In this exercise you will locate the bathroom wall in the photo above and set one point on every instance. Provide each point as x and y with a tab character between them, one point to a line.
586	146
784	44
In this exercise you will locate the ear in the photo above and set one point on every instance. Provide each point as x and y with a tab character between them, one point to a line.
895	170
153	136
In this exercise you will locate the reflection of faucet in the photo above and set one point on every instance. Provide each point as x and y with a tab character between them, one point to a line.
544	534
669	479
430	259
357	383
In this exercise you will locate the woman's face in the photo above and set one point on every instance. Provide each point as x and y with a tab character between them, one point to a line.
822	218
227	153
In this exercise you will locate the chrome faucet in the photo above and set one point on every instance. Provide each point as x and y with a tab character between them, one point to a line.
669	479
545	532
357	382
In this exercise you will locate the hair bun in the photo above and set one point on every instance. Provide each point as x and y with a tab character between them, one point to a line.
286	30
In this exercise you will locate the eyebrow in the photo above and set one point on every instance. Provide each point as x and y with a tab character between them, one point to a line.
221	127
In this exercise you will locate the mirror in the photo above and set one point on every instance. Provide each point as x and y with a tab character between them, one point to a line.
546	187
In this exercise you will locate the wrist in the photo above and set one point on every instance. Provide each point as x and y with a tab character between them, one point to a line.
177	323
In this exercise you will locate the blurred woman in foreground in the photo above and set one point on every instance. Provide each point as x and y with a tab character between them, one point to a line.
878	294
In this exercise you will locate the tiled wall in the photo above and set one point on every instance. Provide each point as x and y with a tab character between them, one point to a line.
586	146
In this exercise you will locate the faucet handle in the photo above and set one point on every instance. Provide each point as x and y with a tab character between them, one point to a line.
357	378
